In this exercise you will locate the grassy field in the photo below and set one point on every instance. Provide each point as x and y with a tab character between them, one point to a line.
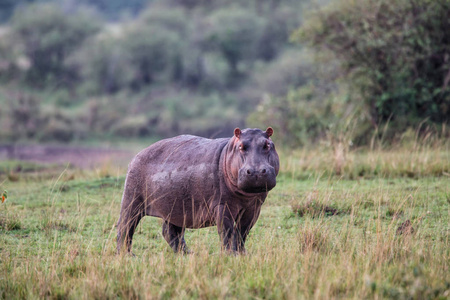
378	230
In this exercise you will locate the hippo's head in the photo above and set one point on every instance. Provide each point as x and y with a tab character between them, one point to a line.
253	162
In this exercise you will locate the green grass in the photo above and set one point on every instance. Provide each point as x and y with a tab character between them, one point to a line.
318	236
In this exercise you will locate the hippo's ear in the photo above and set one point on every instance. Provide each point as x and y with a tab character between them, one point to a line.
269	131
237	132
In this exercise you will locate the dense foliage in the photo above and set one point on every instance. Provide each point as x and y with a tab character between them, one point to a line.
378	64
179	66
360	69
393	55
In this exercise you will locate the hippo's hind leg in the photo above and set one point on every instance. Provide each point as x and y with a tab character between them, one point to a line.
131	213
174	235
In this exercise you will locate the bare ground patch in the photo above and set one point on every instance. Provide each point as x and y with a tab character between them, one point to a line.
80	157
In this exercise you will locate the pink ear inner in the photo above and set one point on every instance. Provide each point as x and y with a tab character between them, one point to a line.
237	132
269	131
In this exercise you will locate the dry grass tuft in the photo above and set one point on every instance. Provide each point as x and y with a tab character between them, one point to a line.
9	221
313	239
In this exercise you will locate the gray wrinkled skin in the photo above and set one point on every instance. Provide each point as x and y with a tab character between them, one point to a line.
194	182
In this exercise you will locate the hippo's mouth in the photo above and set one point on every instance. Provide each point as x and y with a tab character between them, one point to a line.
257	189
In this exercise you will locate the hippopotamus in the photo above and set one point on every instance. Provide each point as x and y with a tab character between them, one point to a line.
195	182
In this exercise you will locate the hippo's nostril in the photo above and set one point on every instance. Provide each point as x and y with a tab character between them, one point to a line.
263	171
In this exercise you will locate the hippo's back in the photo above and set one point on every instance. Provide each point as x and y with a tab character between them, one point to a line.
183	150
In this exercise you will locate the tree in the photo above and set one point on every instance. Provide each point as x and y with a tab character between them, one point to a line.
235	34
153	52
105	64
49	36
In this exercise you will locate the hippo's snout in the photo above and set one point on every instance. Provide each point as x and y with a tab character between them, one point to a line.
256	172
252	179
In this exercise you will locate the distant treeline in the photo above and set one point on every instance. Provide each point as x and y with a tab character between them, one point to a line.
96	69
110	9
178	67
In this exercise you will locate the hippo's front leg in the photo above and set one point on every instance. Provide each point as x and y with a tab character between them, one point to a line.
243	225
225	226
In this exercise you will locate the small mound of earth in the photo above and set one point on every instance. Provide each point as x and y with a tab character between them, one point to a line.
405	228
76	156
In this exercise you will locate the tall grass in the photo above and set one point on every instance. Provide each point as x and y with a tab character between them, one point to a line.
320	235
414	158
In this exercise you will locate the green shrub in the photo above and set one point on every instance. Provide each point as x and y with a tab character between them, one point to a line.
24	114
104	64
133	126
393	56
290	70
57	126
298	117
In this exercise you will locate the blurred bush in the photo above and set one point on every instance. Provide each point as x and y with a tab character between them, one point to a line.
104	65
25	116
58	126
49	35
279	23
393	57
235	33
154	53
292	69
298	117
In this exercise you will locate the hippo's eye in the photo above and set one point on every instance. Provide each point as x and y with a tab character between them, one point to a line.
242	147
266	146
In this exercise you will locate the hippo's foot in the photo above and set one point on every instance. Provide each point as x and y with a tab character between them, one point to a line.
242	252
182	249
187	251
230	252
128	253
234	252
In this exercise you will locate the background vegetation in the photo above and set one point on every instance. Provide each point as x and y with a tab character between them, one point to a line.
96	69
71	71
377	63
